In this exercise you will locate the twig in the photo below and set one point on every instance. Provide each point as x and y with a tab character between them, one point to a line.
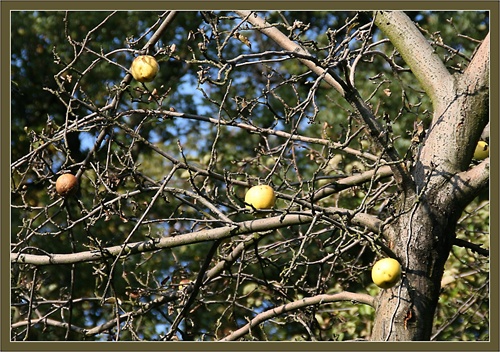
472	246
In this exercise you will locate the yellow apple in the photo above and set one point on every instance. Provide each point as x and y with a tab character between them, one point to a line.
482	150
144	68
386	273
66	185
260	197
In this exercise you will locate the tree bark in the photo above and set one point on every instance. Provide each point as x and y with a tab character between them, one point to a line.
424	228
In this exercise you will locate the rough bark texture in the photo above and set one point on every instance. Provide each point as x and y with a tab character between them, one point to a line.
421	239
424	228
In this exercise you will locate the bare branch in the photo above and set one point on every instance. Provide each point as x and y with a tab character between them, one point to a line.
158	242
472	246
418	54
309	301
468	184
282	40
220	233
474	85
49	322
261	130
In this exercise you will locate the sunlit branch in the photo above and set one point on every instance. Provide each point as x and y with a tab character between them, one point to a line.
48	322
466	185
276	35
220	233
417	53
319	299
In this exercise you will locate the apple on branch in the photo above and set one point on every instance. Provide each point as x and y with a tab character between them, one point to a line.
260	197
67	185
144	68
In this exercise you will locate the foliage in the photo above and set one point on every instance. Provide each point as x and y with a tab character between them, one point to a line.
229	109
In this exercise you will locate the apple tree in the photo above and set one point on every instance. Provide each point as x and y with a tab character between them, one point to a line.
364	124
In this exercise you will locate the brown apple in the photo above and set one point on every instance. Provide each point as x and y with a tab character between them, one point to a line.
66	185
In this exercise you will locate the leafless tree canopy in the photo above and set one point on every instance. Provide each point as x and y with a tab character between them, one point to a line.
328	108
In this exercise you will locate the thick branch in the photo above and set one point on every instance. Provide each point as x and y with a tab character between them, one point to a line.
350	181
474	86
460	104
477	74
319	299
465	186
243	228
48	322
417	53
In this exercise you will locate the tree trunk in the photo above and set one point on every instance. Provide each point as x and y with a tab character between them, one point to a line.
423	231
421	239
